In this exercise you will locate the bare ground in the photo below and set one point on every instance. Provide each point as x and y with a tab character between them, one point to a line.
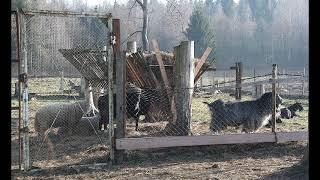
252	161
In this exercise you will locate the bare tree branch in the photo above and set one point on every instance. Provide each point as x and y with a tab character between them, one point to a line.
131	8
140	3
129	37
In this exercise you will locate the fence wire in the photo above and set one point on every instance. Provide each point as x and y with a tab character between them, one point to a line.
215	112
65	55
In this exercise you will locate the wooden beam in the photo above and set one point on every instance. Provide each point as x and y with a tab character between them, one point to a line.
165	79
162	68
202	60
292	136
176	141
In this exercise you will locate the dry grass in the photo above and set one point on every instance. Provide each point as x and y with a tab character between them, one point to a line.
222	162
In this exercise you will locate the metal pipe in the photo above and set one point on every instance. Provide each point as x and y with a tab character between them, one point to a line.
19	84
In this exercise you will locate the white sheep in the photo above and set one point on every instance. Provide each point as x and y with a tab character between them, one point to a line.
65	116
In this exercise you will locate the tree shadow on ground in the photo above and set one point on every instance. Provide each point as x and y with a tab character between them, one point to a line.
295	172
165	156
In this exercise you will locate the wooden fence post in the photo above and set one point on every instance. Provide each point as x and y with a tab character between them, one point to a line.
238	69
120	103
23	79
224	79
83	83
61	82
184	82
303	80
274	92
254	82
213	83
110	62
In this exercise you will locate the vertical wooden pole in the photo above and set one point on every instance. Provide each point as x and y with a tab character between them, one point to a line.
274	92
184	82
224	78
110	60
201	83
25	131
120	103
116	46
61	82
83	83
254	83
19	83
303	80
238	80
213	83
16	89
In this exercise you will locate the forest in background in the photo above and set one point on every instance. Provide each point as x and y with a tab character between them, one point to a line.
258	33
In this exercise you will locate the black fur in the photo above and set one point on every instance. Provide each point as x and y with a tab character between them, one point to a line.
251	114
294	108
138	102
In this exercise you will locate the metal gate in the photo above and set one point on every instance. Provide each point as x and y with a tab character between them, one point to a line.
64	60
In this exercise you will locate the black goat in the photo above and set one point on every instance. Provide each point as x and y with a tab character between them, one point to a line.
287	113
252	115
294	108
138	102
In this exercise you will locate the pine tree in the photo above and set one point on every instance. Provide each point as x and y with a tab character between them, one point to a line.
200	31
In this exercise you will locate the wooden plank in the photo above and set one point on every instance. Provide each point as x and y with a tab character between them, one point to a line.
292	136
176	141
202	60
165	79
162	68
66	13
173	141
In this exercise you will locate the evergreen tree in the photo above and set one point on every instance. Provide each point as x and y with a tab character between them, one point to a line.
200	31
228	7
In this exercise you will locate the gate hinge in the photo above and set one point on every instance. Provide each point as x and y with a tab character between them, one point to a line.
23	77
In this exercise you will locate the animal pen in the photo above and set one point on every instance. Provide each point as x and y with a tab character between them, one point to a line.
67	60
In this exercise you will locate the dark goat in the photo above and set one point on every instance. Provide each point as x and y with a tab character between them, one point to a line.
251	114
294	108
287	113
137	103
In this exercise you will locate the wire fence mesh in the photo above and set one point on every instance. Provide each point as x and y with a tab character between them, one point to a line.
63	123
214	109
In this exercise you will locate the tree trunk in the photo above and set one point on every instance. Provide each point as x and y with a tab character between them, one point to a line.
145	42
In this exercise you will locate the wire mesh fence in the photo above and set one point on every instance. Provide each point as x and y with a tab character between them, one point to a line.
60	51
215	112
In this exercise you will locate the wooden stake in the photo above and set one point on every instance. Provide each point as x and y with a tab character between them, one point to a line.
274	92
